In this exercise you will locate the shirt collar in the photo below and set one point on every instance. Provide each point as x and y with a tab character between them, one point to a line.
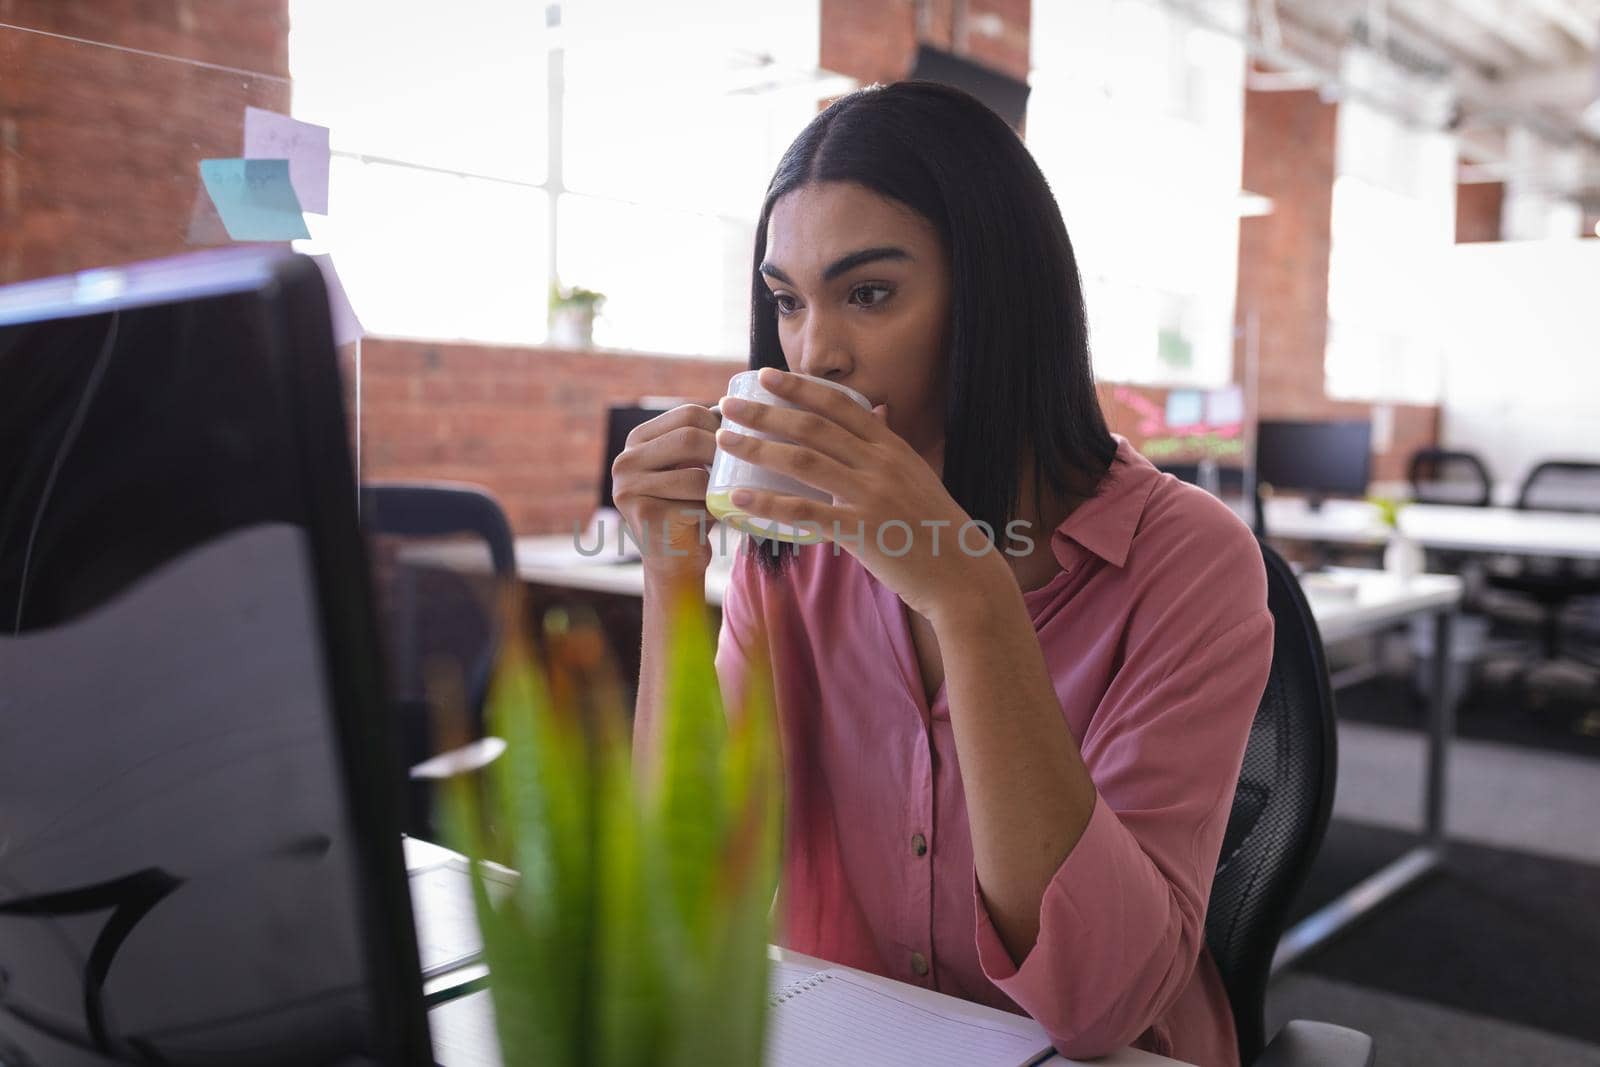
1105	523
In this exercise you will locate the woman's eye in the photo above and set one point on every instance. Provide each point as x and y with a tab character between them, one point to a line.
785	303
870	301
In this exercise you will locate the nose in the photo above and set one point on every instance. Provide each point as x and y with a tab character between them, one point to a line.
824	351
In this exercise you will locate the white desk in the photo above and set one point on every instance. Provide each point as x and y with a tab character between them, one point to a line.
1493	530
1349	603
1337	522
463	1025
1438	526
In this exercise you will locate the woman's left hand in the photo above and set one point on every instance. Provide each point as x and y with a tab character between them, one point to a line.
890	509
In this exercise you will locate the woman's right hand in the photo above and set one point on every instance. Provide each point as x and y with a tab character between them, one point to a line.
659	485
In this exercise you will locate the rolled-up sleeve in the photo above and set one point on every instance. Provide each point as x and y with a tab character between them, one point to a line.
1122	921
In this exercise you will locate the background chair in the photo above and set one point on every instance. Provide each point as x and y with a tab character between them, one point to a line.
1461	479
1553	584
1443	476
1280	811
441	552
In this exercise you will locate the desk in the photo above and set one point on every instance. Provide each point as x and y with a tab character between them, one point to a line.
554	561
1439	526
1494	530
1371	601
463	1026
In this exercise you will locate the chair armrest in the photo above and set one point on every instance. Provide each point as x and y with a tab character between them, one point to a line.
467	759
1303	1043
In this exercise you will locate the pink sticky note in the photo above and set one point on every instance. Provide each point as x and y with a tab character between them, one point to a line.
346	327
269	135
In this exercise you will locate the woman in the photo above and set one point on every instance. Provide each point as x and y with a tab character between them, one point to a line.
1009	764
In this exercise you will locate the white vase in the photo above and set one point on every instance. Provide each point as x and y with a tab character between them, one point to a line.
1402	557
572	327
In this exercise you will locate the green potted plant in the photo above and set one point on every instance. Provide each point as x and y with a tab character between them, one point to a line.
638	929
572	314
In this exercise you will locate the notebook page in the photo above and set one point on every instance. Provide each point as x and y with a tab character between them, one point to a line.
838	1019
782	974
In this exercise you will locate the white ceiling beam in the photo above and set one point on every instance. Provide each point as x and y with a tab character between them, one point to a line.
1460	39
1566	87
1507	20
1583	28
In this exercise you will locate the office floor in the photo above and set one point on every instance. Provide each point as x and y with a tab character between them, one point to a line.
1497	960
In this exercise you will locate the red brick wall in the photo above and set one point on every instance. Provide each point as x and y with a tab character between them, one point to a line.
876	40
526	423
251	35
99	147
1479	207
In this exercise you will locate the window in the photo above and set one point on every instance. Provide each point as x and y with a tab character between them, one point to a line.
1393	223
1136	120
673	117
437	214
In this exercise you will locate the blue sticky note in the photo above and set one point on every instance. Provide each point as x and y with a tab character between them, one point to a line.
1184	407
254	198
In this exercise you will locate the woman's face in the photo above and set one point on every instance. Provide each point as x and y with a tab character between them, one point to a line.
861	288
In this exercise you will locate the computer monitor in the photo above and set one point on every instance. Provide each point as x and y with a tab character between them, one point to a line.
1004	95
200	855
1228	479
1327	458
620	422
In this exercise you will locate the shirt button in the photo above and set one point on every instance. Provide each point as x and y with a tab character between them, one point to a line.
919	964
919	845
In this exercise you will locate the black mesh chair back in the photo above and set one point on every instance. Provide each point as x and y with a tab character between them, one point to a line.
441	552
1443	476
1562	485
1280	809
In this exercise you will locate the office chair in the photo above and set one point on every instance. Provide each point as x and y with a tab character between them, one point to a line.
1280	811
1460	479
1443	476
1552	584
436	608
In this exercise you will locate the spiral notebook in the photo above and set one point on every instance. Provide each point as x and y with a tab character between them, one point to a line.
843	1019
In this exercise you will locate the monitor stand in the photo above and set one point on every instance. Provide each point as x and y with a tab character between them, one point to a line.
1314	502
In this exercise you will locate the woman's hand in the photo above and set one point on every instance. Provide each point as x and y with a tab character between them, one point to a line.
659	485
890	509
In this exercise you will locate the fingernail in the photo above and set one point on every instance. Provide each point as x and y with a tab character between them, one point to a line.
741	497
770	377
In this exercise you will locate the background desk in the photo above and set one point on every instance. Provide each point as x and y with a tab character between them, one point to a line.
1369	602
1438	526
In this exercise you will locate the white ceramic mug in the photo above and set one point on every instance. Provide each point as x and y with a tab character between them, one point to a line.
730	472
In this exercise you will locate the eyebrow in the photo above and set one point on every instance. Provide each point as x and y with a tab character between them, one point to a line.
843	263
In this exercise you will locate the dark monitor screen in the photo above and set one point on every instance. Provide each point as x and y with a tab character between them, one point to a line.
1331	458
620	422
194	863
1229	479
1004	95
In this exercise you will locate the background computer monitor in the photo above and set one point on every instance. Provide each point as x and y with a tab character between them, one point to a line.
1229	479
200	858
1326	458
620	422
1004	95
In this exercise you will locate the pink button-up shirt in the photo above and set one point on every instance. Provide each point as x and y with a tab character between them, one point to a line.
1157	636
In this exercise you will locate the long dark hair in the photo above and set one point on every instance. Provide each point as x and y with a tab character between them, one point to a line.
1019	379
